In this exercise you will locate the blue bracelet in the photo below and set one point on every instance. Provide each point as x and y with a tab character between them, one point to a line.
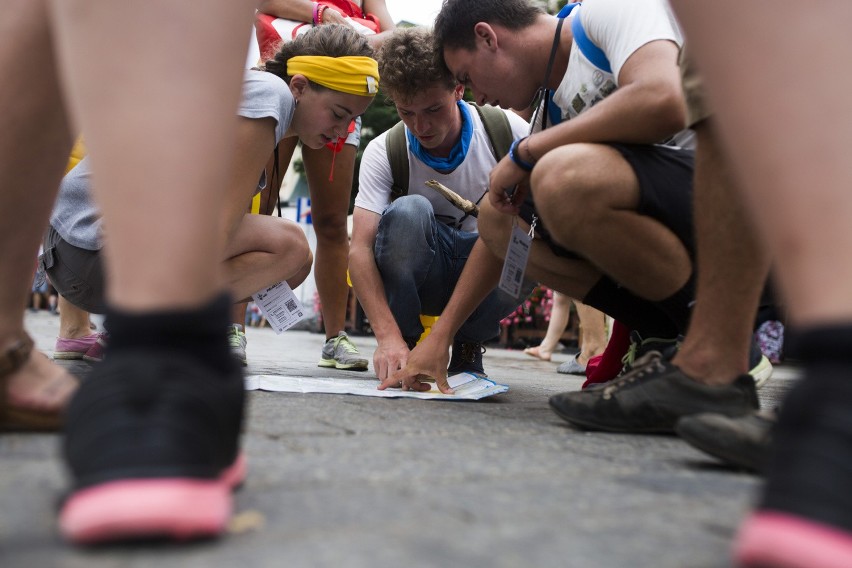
513	155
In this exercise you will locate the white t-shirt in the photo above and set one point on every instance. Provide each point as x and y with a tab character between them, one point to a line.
618	28
470	179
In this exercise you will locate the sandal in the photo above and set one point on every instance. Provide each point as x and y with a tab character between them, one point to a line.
17	418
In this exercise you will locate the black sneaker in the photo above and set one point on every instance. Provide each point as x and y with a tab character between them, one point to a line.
466	357
651	398
804	517
739	441
152	445
639	347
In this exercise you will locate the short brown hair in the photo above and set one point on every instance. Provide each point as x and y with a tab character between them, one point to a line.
409	64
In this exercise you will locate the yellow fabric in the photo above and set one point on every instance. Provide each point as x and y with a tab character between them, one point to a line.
427	322
78	152
356	75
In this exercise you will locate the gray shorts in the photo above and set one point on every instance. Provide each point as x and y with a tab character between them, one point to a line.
76	273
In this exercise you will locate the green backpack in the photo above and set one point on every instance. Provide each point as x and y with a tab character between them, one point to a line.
497	128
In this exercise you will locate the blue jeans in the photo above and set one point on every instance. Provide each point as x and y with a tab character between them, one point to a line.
420	261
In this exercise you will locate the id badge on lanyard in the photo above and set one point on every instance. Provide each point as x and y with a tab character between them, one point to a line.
517	255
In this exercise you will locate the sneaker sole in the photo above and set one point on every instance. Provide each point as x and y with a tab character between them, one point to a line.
132	509
761	372
595	426
778	539
332	364
716	446
69	355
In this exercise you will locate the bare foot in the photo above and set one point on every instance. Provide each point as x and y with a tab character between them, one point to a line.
536	352
39	386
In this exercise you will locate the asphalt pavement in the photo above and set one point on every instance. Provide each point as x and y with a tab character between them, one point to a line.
352	481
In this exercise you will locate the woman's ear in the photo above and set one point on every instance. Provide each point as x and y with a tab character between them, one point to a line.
298	86
459	92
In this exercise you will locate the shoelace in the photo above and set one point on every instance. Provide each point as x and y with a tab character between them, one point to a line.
348	346
648	363
636	343
470	351
234	335
628	358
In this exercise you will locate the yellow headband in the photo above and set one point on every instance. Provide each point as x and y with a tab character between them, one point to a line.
356	75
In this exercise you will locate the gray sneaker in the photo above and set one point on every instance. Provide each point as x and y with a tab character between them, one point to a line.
237	340
741	441
572	367
340	353
651	398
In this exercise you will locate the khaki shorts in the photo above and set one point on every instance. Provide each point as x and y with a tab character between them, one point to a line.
697	108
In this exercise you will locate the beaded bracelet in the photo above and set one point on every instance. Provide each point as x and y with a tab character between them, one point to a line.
515	156
318	10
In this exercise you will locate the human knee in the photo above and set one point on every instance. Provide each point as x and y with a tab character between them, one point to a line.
566	193
408	209
330	223
302	274
289	244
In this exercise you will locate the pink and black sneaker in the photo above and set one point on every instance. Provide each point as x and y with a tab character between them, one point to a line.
804	519
152	445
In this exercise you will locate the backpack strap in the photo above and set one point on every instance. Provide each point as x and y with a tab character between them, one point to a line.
497	128
592	52
397	152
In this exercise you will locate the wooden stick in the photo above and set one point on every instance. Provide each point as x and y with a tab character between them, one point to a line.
465	205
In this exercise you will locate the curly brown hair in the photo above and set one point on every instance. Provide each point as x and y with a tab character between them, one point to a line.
409	64
333	40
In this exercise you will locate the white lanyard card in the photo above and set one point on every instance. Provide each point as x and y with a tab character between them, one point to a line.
280	306
515	265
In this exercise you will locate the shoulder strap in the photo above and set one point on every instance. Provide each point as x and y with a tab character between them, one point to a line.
592	52
497	128
397	152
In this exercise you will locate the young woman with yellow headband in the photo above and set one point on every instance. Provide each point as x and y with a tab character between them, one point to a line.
329	79
329	170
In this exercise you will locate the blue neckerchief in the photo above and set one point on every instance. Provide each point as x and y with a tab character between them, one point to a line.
457	154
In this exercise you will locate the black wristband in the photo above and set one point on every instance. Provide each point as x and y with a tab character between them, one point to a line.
515	156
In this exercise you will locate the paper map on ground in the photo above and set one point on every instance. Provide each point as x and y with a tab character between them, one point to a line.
467	387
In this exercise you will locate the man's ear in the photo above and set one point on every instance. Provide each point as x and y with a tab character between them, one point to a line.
458	91
485	35
298	86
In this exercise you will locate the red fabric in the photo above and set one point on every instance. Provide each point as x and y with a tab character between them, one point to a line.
268	41
607	365
268	38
